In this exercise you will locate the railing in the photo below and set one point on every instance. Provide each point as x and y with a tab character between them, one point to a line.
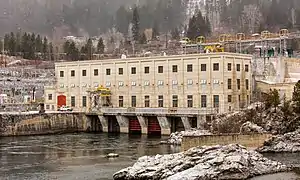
158	111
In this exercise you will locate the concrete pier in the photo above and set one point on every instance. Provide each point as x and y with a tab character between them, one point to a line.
164	125
143	123
123	122
104	123
186	123
201	120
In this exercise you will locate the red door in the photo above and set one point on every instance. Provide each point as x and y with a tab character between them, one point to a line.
61	100
134	125
153	126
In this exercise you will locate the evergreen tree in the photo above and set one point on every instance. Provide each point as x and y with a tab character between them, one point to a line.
73	52
275	98
175	34
51	51
135	24
18	43
100	46
12	44
155	31
89	49
38	43
143	38
192	28
122	19
296	97
45	48
25	45
6	42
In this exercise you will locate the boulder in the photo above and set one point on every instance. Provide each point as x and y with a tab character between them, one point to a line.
205	163
250	128
112	155
289	142
176	138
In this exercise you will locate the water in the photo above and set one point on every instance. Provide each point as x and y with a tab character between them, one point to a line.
82	156
73	156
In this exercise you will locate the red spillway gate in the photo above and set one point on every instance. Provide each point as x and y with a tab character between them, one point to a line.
134	126
153	126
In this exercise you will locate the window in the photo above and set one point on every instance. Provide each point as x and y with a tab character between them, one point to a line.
247	68
121	101
203	67
190	101
238	67
160	101
203	101
61	73
47	106
96	72
133	70
247	84
121	83
160	69
174	68
107	72
133	101
229	83
175	100
83	101
189	68
83	72
189	82
50	97
216	101
73	101
229	98
147	101
120	71
229	66
216	66
238	83
72	73
147	70
160	83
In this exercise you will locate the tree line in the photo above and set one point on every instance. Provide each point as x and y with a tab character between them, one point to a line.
27	45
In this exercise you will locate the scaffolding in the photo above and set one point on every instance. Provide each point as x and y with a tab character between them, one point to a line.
98	98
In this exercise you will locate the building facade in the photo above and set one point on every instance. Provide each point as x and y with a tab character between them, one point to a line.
206	83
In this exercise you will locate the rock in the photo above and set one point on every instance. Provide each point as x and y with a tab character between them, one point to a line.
249	128
112	155
205	163
289	142
176	138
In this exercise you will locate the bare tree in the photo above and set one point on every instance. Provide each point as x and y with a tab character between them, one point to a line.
251	17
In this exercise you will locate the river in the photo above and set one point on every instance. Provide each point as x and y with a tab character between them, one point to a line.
83	156
73	156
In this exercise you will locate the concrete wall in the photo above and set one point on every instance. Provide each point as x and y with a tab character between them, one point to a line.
15	125
250	141
286	89
153	84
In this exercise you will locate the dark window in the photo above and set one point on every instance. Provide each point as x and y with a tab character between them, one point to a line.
175	100
247	84
120	71
73	101
133	70
133	101
189	68
239	98
203	101
190	101
61	73
96	72
160	69
229	98
72	73
174	68
216	101
107	72
147	70
121	101
160	101
238	67
147	101
248	99
83	101
229	66
247	68
203	67
50	97
229	83
83	72
238	83
216	66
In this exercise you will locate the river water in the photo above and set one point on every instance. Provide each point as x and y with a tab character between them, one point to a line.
83	156
73	156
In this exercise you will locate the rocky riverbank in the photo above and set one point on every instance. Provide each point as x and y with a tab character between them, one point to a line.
228	162
176	138
289	142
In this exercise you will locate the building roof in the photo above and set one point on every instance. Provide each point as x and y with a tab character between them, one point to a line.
235	55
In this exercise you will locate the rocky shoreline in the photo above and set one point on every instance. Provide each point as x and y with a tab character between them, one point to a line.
229	162
176	138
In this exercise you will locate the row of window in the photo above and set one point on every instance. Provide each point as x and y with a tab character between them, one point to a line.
160	69
238	83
